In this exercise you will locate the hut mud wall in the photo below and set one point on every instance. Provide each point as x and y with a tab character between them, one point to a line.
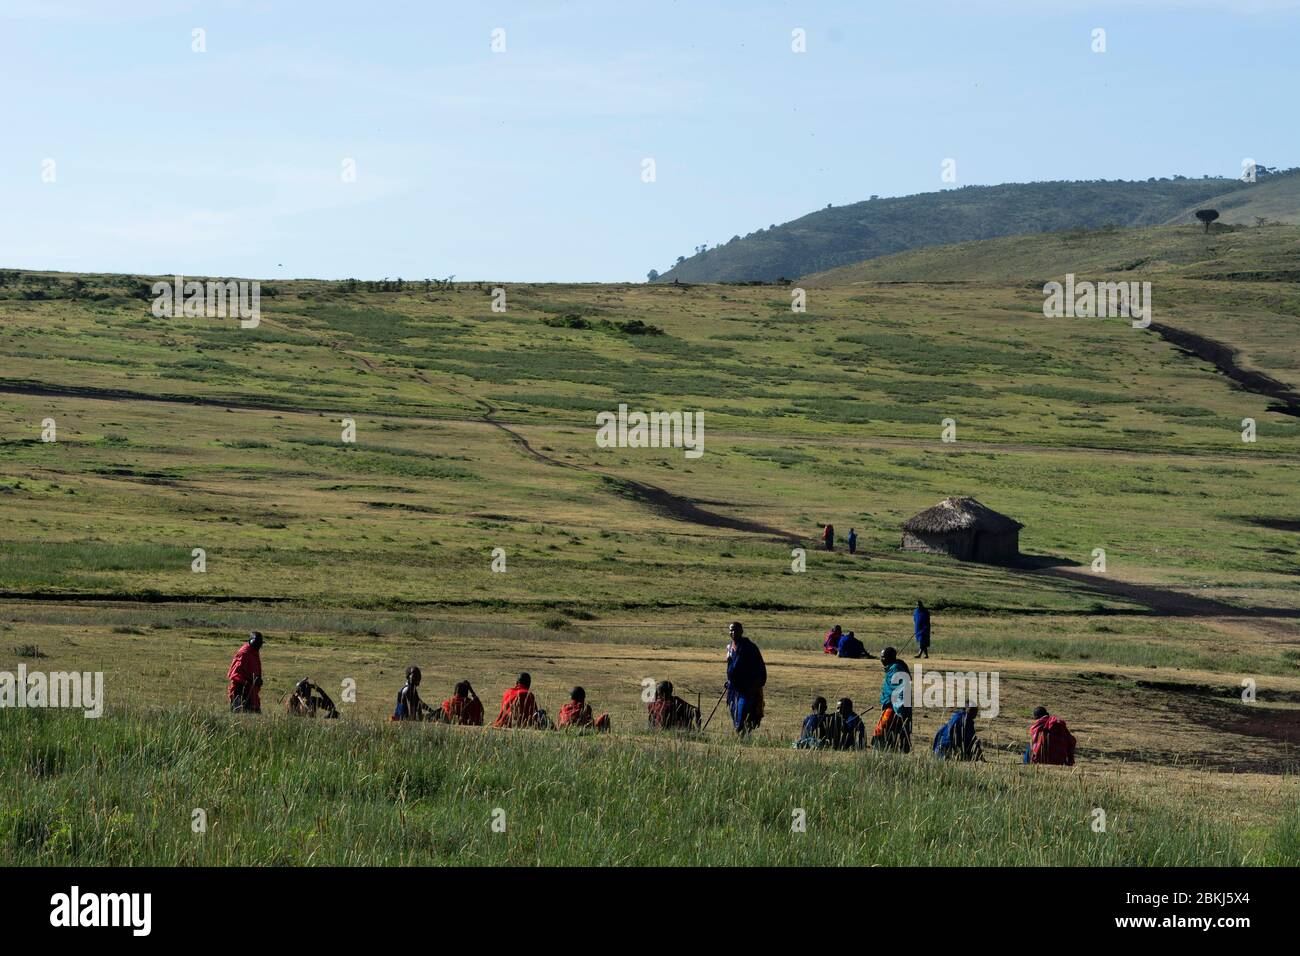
996	548
957	544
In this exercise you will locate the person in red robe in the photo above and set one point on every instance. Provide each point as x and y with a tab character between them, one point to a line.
669	712
245	676
463	706
832	643
1050	741
577	713
519	706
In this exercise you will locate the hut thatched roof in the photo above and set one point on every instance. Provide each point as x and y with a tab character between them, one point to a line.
960	514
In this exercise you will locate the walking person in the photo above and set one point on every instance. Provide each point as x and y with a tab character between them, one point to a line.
746	675
921	629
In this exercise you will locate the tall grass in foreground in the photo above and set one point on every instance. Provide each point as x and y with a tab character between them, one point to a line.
123	789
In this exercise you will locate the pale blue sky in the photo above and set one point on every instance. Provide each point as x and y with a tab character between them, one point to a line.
526	165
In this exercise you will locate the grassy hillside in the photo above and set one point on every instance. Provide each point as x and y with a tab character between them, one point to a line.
838	236
1236	285
475	431
1267	253
1275	198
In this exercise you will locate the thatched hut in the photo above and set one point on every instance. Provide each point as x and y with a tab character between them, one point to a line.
965	529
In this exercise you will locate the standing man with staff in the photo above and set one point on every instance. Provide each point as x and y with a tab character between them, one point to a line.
746	675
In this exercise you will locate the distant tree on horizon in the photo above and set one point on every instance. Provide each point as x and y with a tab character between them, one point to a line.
653	274
1207	216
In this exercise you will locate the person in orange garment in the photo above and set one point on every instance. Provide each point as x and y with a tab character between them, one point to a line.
519	706
577	713
463	706
245	676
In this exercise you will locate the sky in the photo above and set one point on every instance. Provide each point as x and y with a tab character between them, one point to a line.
380	139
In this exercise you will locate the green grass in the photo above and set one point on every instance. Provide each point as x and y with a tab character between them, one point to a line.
28	564
1157	253
360	559
122	790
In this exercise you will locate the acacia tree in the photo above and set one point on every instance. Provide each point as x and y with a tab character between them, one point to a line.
1207	216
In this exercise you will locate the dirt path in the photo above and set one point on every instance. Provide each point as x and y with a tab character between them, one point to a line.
1165	602
12	386
1224	358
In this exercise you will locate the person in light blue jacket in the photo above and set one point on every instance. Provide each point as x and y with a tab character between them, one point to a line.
896	693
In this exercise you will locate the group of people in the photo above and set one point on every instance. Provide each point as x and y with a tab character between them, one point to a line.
846	644
519	707
1050	741
244	690
828	539
893	729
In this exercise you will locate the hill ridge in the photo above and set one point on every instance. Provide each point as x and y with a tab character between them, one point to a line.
839	235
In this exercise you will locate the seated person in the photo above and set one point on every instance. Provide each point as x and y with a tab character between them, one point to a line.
956	739
850	646
848	732
1050	741
304	703
832	643
409	706
577	713
519	706
816	732
463	706
667	712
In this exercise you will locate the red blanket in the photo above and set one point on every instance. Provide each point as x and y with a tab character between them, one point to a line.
463	710
518	708
1051	742
246	666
